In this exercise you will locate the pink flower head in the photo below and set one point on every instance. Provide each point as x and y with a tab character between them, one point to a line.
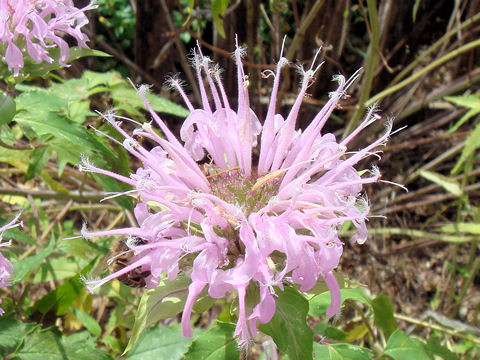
6	267
34	26
234	227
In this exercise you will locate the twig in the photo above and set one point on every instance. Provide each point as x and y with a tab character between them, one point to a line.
441	237
370	65
35	216
430	200
109	49
225	53
16	147
300	33
436	327
48	194
57	218
181	50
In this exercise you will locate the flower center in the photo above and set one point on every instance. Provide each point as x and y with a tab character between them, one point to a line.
230	185
233	187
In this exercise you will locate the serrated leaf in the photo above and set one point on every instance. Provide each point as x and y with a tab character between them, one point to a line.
23	268
127	99
42	69
288	327
40	345
160	343
81	346
447	183
165	301
12	332
217	343
318	305
401	347
383	310
469	228
341	352
44	344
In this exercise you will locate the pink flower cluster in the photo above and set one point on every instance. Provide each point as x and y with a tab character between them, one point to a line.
34	26
6	267
207	211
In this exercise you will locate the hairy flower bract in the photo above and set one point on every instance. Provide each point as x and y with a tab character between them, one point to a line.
234	227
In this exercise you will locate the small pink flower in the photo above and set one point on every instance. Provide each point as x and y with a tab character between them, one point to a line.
33	27
206	210
6	267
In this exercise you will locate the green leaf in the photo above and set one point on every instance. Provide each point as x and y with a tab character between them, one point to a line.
40	345
341	352
44	344
81	346
467	116
42	69
435	348
218	9
469	228
23	268
383	310
471	145
56	270
415	9
12	332
318	305
126	98
288	327
165	301
217	343
37	163
78	247
17	234
89	322
401	347
160	343
16	158
7	109
468	101
61	298
447	183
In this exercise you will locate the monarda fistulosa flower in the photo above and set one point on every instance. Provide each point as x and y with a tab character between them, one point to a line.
33	27
6	267
206	211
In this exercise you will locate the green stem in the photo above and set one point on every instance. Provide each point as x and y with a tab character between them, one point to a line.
434	47
467	47
370	65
